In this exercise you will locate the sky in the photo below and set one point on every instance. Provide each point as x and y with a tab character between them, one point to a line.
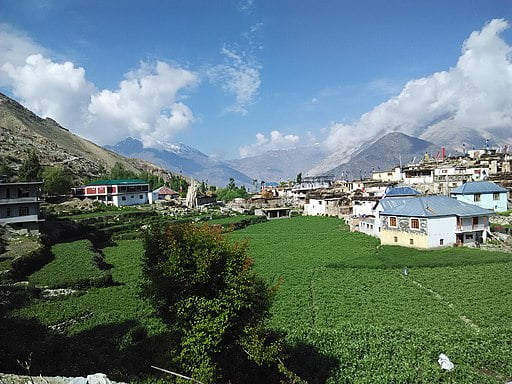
237	78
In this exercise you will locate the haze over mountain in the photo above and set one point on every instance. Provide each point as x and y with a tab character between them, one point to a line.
279	165
22	131
181	158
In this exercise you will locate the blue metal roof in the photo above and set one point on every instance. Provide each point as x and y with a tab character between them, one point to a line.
430	206
402	191
473	187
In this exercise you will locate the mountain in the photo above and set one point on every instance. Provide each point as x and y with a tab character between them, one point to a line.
279	165
383	154
185	159
22	131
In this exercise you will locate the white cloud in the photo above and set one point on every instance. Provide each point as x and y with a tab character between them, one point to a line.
475	93
146	105
276	141
240	76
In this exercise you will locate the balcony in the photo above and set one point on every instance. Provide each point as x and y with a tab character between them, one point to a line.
21	200
20	219
470	227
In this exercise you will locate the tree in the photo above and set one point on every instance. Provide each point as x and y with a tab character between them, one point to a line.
203	286
118	171
57	181
299	178
30	169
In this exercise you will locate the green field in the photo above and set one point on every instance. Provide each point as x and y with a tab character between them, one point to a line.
349	314
346	296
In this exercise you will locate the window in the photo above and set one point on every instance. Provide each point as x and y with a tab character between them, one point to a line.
23	211
496	196
319	203
8	212
141	197
476	197
8	193
123	198
396	239
23	192
469	237
411	241
475	220
415	224
392	221
441	241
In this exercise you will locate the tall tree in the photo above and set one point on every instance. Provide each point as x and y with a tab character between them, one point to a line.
217	307
57	181
30	169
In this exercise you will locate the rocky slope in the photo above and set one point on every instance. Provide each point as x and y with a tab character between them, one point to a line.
22	131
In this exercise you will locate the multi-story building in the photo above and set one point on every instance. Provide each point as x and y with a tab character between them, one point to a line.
19	205
116	192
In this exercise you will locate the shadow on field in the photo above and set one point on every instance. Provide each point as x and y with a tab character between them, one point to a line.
309	363
120	350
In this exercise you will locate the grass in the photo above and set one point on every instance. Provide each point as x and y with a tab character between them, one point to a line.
73	264
345	295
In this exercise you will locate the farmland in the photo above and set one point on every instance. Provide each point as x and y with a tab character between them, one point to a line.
348	312
345	295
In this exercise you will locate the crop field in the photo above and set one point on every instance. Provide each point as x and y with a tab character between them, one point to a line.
346	297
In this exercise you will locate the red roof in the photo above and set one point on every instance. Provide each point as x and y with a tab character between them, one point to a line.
166	191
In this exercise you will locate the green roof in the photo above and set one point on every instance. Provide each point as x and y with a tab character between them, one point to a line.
116	182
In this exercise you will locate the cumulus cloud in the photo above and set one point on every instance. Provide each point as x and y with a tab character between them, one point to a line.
239	76
147	104
276	141
475	93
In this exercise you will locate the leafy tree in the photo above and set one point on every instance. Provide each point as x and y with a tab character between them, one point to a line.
232	192
118	171
179	184
299	178
216	306
30	169
57	181
231	186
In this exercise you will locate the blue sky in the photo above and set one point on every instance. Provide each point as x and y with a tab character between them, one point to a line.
230	78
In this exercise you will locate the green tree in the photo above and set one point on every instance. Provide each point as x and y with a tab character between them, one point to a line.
203	286
299	178
30	169
57	181
118	171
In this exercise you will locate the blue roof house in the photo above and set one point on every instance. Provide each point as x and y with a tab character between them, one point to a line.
484	194
432	221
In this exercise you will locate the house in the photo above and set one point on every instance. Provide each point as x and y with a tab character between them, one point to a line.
19	205
273	213
333	206
432	221
116	192
484	194
165	193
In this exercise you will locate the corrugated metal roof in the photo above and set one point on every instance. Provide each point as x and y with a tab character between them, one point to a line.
472	187
402	191
117	182
430	206
163	190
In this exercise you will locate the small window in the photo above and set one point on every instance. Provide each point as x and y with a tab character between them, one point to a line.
396	239
469	237
319	203
23	211
415	223
441	241
131	197
123	198
392	221
475	220
141	197
8	193
496	196
8	212
411	241
476	197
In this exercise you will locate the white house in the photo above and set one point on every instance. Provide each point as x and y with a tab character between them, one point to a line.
484	194
116	192
19	205
432	221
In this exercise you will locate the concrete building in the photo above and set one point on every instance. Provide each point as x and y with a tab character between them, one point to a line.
432	221
484	194
116	192
19	205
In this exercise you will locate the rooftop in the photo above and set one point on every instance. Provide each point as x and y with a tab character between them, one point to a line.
472	187
402	191
430	206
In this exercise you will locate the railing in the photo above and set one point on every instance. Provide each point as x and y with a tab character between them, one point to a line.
470	227
21	200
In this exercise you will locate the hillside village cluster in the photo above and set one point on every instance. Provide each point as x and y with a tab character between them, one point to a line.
436	202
